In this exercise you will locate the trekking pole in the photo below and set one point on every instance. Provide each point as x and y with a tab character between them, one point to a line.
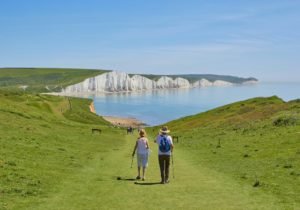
131	161
173	166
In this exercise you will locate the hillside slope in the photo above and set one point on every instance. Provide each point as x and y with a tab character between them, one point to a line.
51	160
256	142
44	139
43	79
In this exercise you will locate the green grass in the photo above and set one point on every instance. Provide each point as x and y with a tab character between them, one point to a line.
43	79
42	143
254	142
50	160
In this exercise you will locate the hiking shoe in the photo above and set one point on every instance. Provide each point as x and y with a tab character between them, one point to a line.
162	182
167	181
138	177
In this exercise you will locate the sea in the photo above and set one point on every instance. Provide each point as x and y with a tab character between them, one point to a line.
160	106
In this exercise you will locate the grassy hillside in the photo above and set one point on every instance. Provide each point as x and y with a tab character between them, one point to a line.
51	160
43	79
255	142
43	142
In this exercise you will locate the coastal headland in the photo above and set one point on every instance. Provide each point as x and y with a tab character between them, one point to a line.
244	155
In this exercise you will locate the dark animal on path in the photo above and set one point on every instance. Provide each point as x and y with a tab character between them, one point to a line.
94	130
175	137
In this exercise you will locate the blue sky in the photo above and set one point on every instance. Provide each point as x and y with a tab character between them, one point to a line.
259	38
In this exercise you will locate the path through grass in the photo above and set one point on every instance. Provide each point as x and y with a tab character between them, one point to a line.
49	159
194	187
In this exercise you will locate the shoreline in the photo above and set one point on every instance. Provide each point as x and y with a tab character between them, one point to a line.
124	121
92	108
120	121
85	94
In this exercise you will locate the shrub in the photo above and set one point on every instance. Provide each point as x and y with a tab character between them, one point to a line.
286	121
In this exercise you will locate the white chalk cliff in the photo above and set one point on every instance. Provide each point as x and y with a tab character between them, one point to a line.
120	81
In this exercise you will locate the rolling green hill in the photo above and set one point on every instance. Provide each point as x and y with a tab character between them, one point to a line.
38	80
241	156
43	79
255	142
44	140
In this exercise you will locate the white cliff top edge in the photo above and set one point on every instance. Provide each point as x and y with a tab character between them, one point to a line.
116	81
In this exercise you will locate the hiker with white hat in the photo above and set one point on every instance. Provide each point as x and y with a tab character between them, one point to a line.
165	149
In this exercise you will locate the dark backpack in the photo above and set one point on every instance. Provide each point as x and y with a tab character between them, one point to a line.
164	145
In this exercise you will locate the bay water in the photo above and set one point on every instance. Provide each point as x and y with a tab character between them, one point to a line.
160	106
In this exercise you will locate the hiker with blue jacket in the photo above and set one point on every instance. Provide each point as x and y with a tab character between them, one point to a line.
165	149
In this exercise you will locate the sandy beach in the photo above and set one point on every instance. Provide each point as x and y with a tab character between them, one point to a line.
92	108
124	122
120	121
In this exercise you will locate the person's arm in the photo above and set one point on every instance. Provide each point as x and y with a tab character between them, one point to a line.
172	145
147	144
136	144
156	140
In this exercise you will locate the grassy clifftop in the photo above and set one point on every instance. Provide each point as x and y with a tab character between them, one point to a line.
210	77
240	156
44	139
43	79
256	142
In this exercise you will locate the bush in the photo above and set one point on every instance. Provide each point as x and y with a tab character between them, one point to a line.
286	121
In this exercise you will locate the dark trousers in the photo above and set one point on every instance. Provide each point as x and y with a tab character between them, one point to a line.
164	165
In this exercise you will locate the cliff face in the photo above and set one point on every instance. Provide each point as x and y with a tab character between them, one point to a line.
120	81
167	82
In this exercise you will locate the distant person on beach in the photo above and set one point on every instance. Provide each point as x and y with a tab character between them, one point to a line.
165	149
142	148
130	130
